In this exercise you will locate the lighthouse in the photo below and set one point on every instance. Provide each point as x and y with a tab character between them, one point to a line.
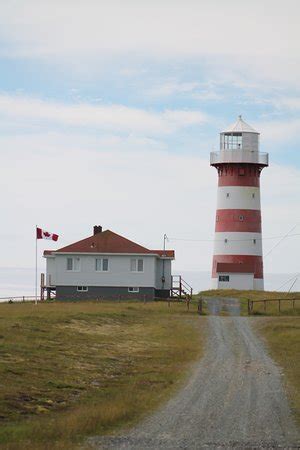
238	257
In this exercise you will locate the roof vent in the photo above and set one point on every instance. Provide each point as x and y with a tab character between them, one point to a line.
97	229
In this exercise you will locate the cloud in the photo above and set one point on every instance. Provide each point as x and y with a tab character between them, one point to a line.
190	89
67	183
278	131
172	87
72	32
287	102
110	117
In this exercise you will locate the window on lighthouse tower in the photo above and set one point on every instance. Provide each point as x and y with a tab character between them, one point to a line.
231	141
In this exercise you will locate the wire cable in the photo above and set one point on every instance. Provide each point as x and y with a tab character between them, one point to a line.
237	240
282	239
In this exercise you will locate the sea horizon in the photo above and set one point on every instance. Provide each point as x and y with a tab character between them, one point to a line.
20	281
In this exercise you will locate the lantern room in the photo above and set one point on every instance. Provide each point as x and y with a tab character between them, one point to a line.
239	136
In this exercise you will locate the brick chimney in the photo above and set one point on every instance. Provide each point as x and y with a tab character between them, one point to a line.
97	229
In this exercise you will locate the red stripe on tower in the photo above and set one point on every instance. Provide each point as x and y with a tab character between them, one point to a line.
238	260
241	220
243	174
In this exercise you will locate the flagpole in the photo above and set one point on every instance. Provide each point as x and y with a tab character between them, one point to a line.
35	265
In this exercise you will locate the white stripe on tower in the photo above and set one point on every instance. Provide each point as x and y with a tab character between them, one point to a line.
238	197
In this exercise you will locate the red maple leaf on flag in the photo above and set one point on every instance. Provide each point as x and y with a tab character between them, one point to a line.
43	234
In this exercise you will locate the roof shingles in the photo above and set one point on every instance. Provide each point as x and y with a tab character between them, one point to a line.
108	242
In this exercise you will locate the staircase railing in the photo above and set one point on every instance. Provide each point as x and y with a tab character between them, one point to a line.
180	288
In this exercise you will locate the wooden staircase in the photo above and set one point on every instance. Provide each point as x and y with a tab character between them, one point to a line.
180	289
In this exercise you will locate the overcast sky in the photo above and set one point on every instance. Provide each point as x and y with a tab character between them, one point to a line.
109	110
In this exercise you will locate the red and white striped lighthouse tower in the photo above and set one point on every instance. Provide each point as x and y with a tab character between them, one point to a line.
238	260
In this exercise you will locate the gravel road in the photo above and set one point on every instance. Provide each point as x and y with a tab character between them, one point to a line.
233	399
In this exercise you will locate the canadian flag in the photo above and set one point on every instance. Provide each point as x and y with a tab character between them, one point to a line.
42	234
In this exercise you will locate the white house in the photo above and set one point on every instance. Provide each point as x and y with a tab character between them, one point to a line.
107	265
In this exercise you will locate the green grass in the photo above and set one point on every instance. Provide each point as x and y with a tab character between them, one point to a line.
271	307
69	370
282	336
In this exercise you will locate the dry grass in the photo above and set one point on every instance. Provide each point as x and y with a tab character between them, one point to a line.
271	307
282	336
69	370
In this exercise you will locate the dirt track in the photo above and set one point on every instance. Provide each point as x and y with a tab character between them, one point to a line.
234	398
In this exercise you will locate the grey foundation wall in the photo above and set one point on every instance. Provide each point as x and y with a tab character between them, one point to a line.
107	293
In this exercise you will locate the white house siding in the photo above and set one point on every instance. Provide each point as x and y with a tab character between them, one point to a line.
119	273
238	197
163	266
51	271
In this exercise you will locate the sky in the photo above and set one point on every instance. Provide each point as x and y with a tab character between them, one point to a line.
109	110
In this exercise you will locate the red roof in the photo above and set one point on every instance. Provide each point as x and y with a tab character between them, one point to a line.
108	242
235	268
167	253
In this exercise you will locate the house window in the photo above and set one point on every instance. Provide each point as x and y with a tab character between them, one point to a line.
227	195
136	265
225	240
73	264
82	288
253	195
224	278
101	265
133	289
241	218
254	241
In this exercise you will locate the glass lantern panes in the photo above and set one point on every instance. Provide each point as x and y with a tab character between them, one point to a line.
232	141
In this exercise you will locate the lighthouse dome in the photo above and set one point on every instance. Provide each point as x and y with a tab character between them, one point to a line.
240	126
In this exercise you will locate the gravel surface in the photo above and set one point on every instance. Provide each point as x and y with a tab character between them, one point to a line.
233	399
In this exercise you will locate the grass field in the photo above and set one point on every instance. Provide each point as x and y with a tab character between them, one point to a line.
282	337
69	370
271	307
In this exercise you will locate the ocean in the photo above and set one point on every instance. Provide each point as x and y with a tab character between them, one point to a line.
20	281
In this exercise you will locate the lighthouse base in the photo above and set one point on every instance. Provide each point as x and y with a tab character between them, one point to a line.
239	281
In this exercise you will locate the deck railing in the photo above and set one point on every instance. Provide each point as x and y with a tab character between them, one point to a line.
180	288
239	156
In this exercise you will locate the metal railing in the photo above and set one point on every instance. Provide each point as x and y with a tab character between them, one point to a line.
239	156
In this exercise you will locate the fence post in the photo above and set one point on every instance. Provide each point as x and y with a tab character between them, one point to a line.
180	286
188	304
279	306
200	306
